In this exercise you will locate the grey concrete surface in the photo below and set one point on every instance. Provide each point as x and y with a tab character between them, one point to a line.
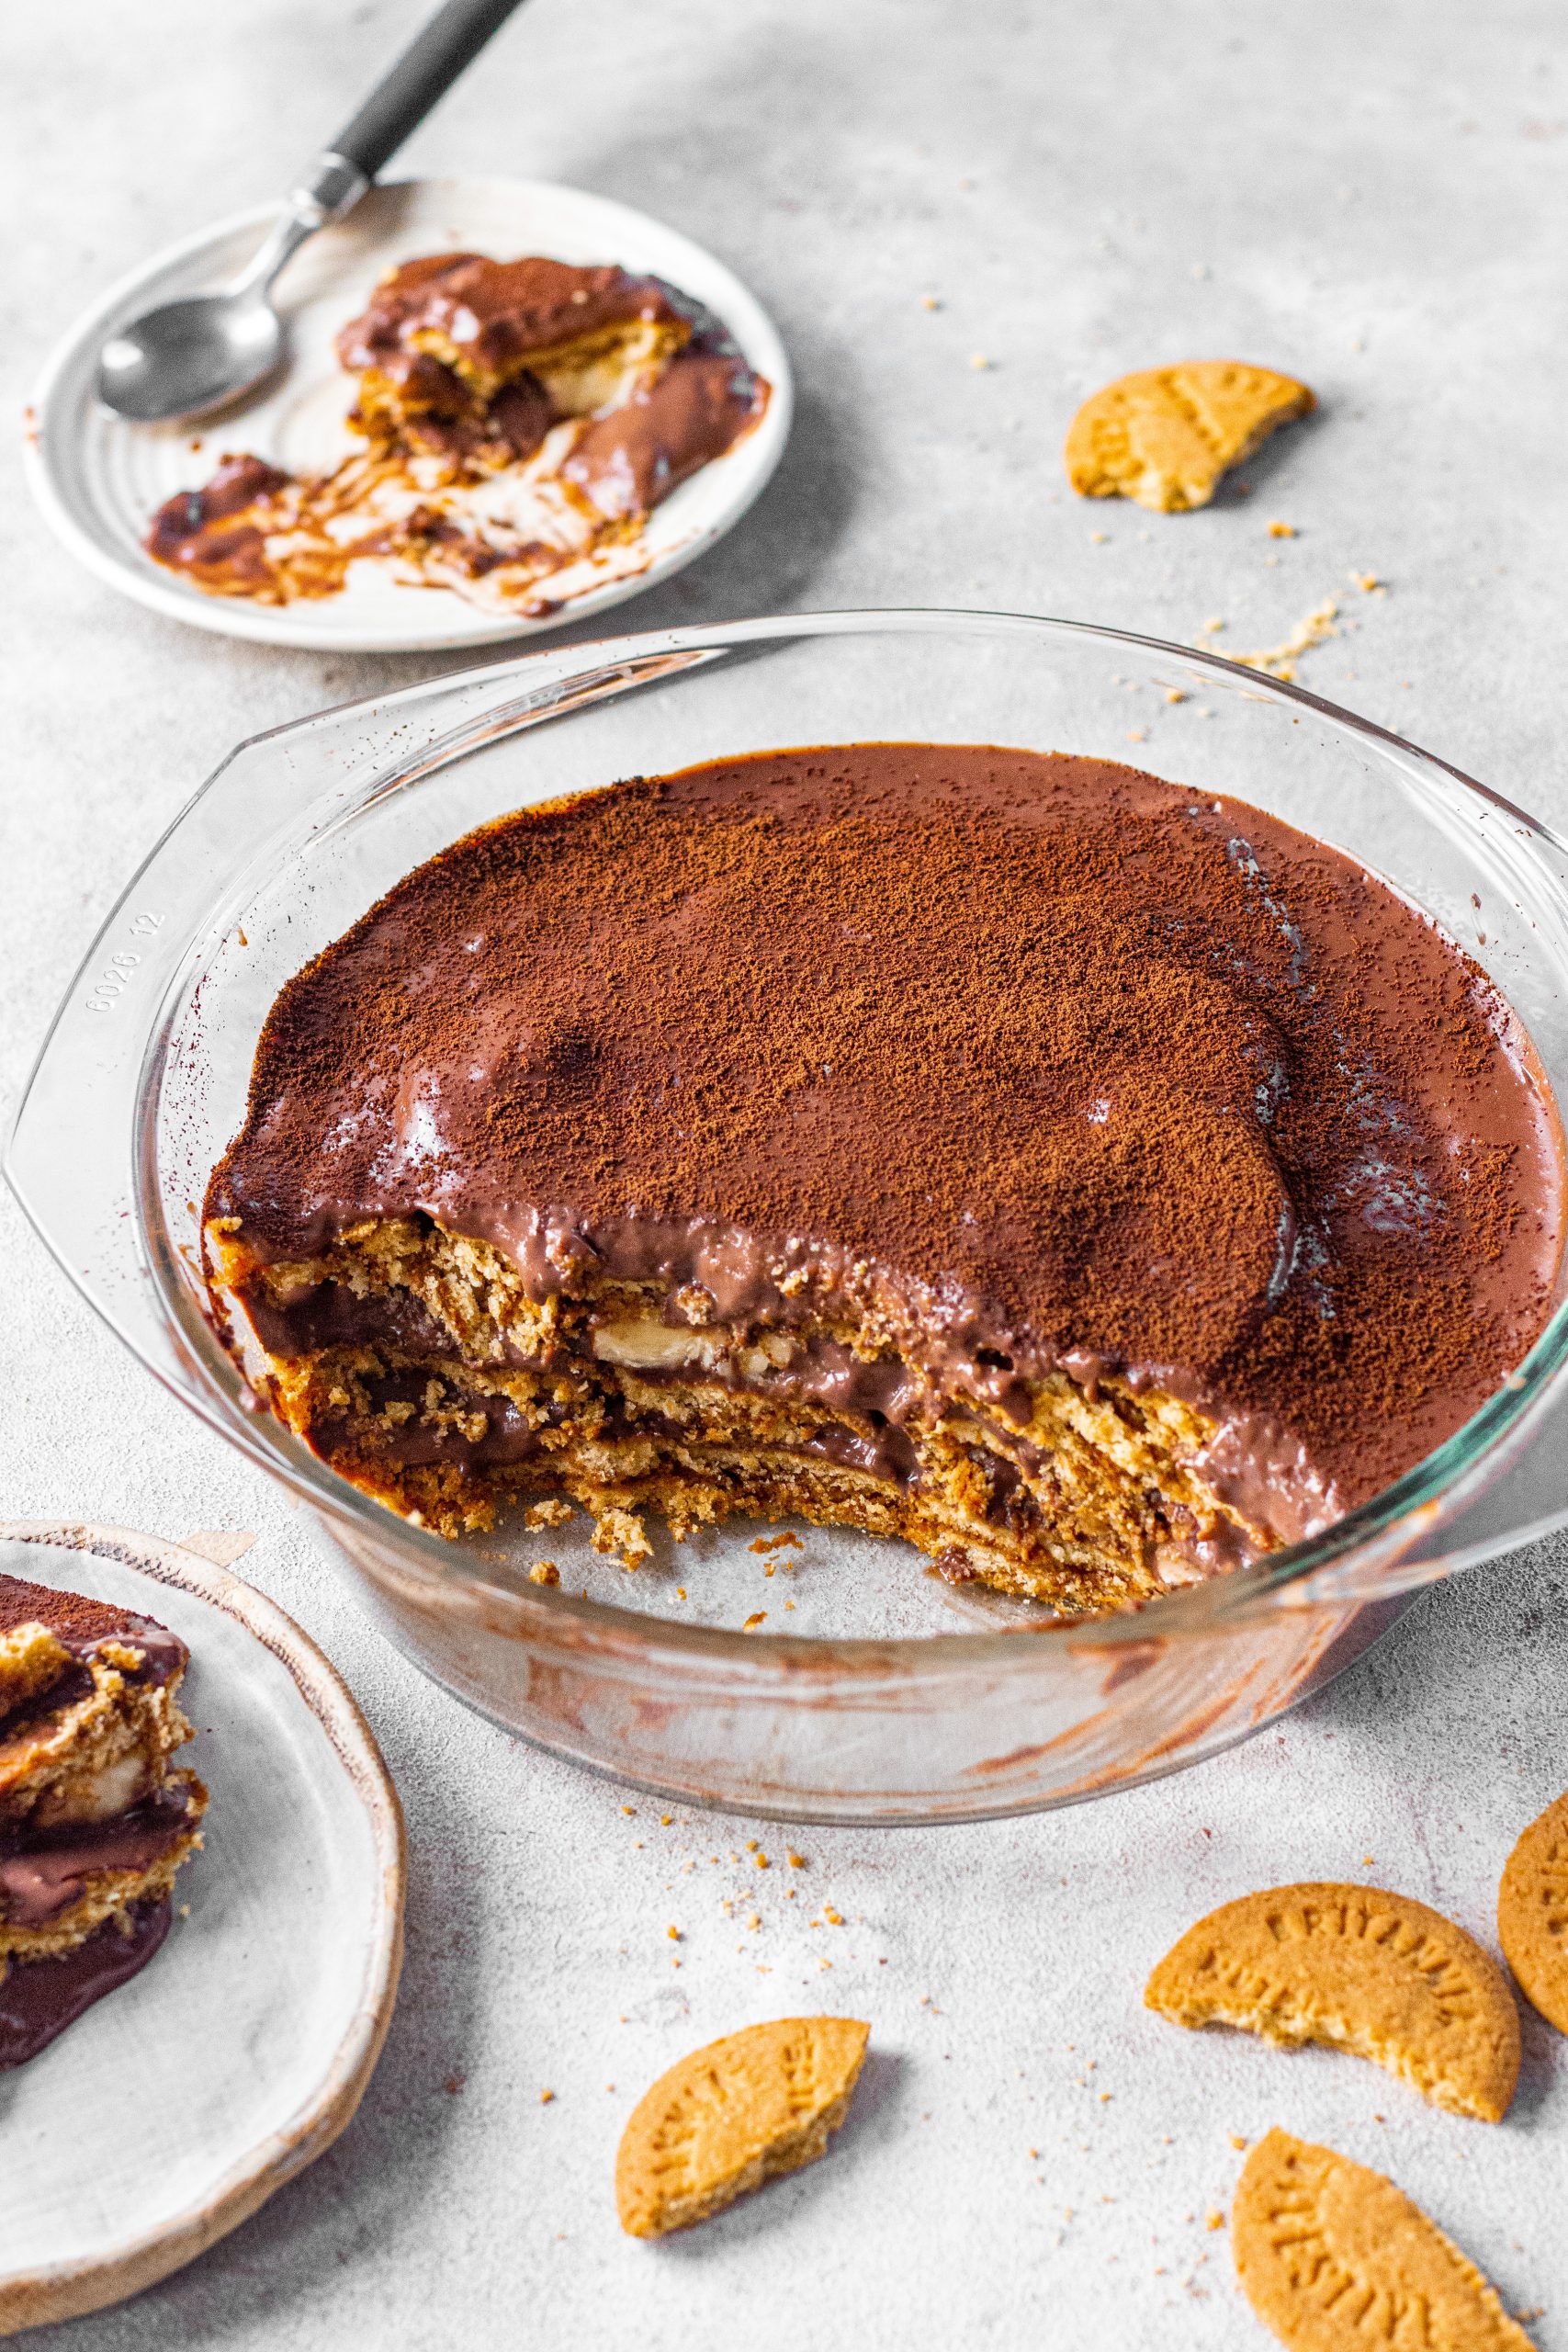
1374	197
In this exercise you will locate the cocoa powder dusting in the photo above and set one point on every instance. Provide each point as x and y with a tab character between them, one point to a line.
1066	1062
72	1617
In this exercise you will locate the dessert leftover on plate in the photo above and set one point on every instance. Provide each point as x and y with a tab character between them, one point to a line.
93	1824
520	421
1099	1182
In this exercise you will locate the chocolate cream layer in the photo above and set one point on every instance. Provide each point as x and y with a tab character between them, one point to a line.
1050	1065
43	1873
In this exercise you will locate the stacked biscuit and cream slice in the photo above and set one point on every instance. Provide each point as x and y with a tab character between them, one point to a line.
93	1824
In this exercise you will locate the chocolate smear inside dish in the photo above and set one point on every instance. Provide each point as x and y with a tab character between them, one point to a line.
1098	1182
520	421
94	1825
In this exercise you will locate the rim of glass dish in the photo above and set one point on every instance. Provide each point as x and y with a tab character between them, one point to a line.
1216	1603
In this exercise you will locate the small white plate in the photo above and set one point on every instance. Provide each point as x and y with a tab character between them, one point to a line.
177	2105
99	481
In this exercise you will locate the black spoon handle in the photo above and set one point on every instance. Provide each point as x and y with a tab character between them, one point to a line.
424	72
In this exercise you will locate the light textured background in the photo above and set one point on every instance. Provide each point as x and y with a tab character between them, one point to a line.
1372	196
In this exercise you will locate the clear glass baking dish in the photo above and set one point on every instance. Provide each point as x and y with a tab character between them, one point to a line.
868	1692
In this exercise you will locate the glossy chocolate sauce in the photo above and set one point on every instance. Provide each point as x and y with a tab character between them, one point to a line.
1056	1066
39	1998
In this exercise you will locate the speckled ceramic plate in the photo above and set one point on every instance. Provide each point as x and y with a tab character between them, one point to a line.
99	480
178	2104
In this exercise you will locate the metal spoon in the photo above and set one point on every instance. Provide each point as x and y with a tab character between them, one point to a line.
188	356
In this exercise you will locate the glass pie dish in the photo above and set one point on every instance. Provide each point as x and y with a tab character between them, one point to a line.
891	1697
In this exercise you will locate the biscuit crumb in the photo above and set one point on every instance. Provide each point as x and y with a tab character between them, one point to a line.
622	1533
1282	531
758	1617
554	1511
1214	2218
979	359
797	1861
545	2098
1279	660
544	1572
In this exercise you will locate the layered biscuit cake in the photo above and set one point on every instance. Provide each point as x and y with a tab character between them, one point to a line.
93	1824
1098	1182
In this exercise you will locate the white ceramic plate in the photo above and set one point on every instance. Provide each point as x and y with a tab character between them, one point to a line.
99	481
177	2105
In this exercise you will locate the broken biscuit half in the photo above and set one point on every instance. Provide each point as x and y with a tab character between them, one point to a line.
1375	1974
1330	2254
1166	437
1532	1914
751	2105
